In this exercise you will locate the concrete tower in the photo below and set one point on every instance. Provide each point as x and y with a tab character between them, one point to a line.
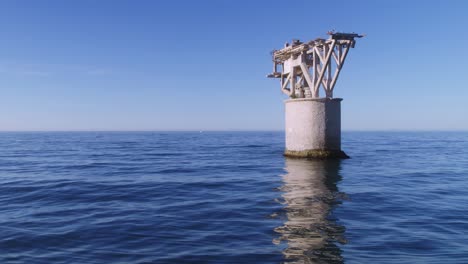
313	123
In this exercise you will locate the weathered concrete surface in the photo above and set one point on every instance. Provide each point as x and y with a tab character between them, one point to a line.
317	154
313	128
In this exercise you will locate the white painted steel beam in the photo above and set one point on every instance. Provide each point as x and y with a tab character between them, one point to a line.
308	67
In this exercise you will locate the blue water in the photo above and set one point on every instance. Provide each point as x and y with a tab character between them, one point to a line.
180	197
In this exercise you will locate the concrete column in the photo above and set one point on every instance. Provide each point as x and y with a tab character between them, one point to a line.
313	128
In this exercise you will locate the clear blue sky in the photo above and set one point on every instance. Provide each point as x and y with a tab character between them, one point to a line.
201	65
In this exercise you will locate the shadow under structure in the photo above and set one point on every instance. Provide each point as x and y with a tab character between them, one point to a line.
310	194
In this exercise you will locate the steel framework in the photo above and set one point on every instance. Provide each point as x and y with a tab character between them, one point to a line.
305	67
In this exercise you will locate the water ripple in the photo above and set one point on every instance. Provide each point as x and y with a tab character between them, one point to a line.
231	197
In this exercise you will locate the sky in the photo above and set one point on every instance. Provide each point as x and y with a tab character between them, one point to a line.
202	65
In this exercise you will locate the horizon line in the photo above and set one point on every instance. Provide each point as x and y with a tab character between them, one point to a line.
232	130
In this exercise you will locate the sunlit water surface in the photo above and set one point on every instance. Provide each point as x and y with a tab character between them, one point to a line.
190	197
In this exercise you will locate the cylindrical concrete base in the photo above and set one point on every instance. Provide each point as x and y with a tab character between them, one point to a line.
313	128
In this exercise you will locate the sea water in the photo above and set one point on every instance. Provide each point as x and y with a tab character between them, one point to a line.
231	197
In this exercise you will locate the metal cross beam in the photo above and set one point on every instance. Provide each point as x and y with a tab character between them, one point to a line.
305	67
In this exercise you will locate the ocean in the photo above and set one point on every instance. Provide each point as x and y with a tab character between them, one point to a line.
231	197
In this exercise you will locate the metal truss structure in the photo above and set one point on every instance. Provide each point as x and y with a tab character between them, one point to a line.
305	67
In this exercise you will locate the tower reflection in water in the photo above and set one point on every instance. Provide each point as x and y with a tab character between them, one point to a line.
310	194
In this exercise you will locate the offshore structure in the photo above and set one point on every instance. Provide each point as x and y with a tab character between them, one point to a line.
313	123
